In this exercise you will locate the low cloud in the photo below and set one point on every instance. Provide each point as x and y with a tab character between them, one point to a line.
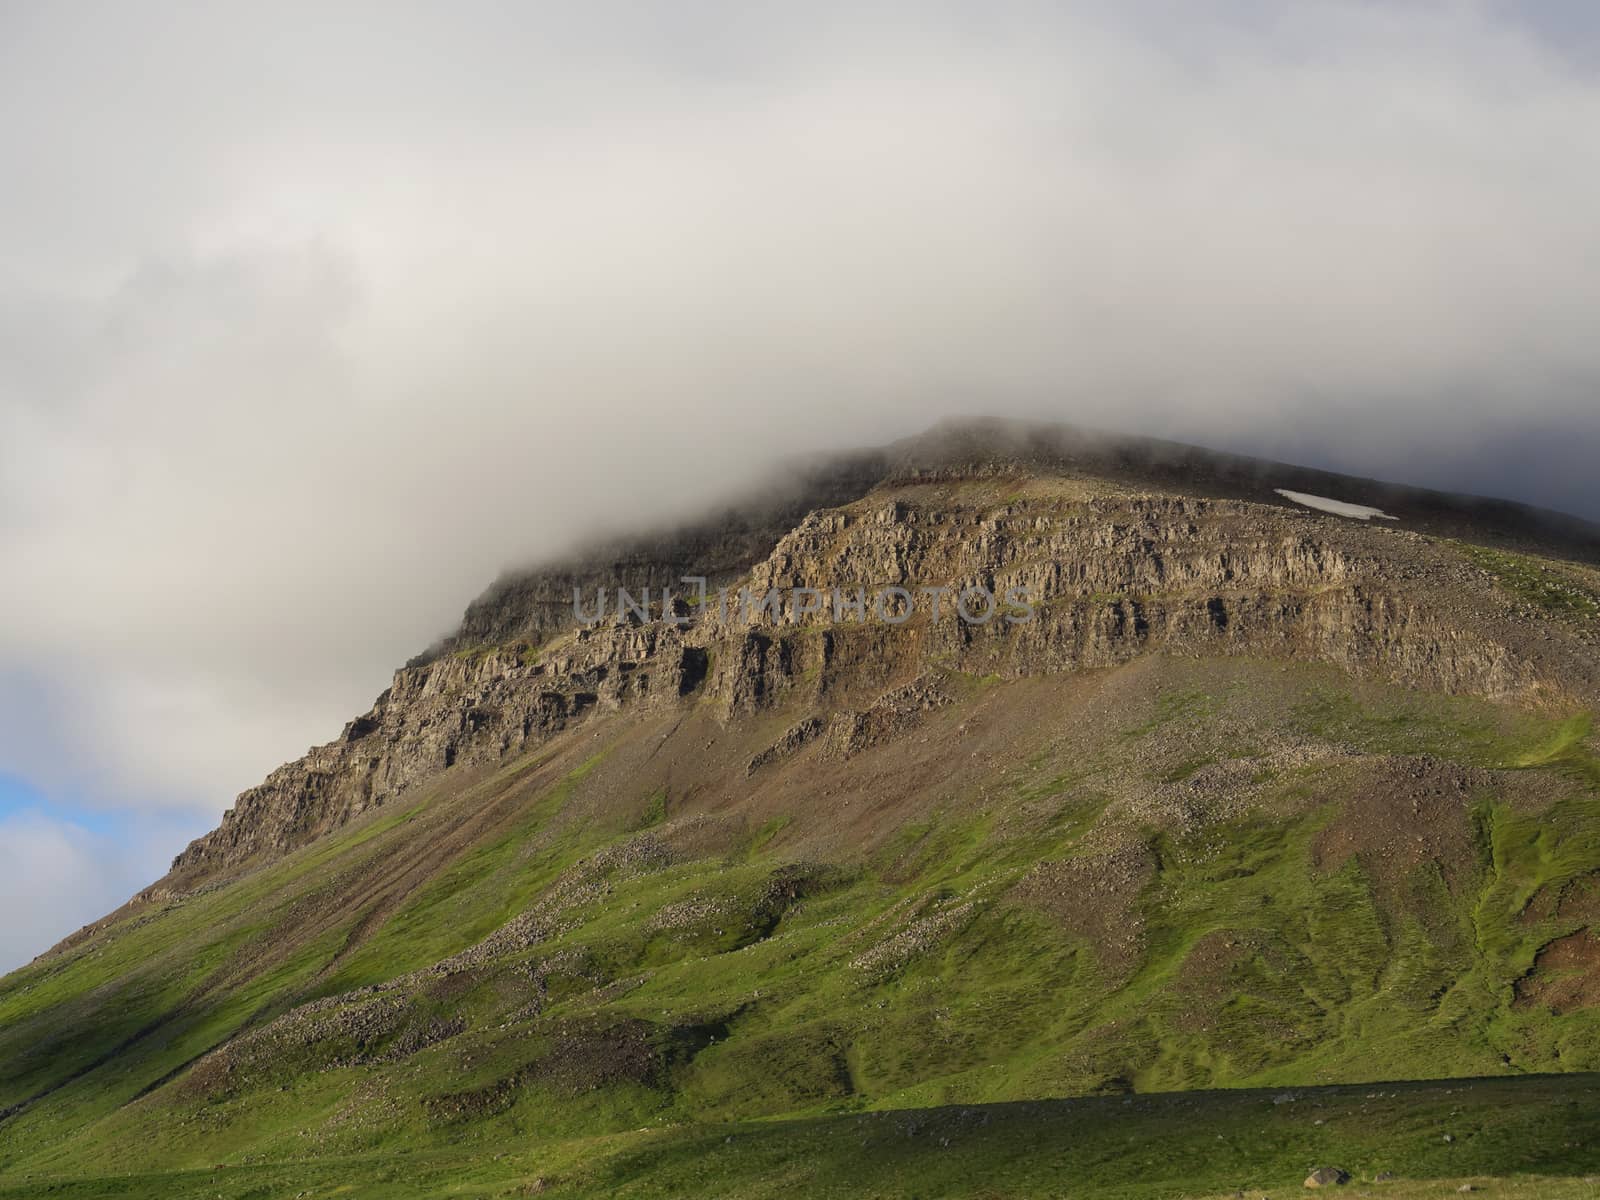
310	323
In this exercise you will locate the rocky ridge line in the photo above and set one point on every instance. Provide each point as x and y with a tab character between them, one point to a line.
1116	573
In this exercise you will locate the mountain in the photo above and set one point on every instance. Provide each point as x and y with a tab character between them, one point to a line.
1242	837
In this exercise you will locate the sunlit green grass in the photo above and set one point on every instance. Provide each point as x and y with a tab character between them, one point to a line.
1255	966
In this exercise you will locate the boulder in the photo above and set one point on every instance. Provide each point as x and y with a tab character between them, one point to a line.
1327	1177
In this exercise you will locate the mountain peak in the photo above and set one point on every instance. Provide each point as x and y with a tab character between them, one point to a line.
1003	763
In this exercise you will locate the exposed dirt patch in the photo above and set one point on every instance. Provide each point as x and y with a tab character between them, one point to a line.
1206	976
1577	899
1565	975
1400	815
1096	896
579	1057
583	1058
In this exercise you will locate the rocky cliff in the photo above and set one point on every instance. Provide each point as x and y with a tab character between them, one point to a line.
1122	548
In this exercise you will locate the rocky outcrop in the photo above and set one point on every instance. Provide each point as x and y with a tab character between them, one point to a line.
1114	577
1323	1177
534	605
465	708
1109	573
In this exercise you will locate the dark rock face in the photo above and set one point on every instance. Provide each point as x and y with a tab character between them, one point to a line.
1113	568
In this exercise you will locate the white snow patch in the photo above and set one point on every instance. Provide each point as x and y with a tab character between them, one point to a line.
1339	507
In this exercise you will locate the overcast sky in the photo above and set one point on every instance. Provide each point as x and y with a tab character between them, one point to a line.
312	318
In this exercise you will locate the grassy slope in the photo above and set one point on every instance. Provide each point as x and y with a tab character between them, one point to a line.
1510	1137
1278	939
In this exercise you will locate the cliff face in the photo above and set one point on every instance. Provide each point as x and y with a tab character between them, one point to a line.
485	692
534	605
1110	569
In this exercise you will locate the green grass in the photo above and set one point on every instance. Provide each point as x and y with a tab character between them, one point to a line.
812	1009
1532	1137
1535	581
